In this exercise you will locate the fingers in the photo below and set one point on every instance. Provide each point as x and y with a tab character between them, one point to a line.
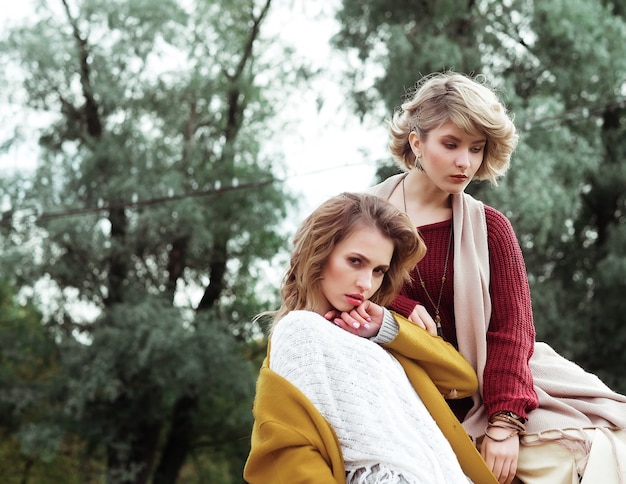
431	327
501	458
355	320
497	467
362	320
420	316
356	326
332	314
417	322
505	475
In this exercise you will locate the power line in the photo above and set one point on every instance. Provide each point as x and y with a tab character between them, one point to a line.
47	216
215	191
153	201
576	114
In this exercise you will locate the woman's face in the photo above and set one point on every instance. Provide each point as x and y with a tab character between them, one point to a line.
354	270
449	156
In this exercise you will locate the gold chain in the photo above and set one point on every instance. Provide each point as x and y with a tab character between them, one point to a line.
437	318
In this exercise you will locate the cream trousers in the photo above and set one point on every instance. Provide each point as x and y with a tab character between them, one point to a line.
545	461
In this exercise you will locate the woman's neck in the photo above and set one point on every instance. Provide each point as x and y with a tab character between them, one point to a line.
423	201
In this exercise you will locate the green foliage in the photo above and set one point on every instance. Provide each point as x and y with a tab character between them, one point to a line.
606	331
396	42
560	68
143	231
34	446
142	362
28	364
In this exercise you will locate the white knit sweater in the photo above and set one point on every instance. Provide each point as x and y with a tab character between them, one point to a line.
385	431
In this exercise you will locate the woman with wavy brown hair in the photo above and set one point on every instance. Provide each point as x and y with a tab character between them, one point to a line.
349	392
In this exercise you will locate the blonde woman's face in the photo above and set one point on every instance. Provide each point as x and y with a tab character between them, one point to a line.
355	270
449	156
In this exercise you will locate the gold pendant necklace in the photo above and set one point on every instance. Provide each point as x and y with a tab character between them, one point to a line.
437	318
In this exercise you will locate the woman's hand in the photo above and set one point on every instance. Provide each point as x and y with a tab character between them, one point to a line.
420	316
364	320
501	457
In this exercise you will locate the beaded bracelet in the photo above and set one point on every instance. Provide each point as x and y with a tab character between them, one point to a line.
501	417
516	431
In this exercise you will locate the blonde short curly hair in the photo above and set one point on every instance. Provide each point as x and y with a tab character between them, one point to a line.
467	102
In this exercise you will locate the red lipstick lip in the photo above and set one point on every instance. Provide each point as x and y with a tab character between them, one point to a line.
357	297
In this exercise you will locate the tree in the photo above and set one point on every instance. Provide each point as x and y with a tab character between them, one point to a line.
560	68
151	191
28	382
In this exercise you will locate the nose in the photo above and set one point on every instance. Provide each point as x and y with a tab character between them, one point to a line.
364	281
463	160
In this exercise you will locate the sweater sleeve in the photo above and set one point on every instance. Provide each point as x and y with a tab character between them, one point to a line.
507	380
403	305
446	367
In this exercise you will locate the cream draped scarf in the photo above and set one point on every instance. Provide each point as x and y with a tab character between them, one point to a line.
569	397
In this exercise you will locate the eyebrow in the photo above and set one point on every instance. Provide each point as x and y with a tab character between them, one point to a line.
454	138
359	255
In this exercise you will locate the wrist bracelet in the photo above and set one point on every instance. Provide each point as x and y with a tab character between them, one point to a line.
502	417
512	415
515	432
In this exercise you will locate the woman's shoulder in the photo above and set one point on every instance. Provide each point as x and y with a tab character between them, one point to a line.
385	188
300	325
294	319
500	233
496	220
303	339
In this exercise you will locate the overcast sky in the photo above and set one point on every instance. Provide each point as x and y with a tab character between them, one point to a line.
328	151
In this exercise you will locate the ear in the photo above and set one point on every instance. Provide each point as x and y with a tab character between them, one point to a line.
416	144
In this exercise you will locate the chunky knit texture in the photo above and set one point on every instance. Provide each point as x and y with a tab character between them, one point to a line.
568	397
385	431
507	382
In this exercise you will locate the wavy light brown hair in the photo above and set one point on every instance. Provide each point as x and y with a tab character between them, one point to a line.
329	224
470	104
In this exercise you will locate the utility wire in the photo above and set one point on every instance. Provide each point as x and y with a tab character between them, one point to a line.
70	212
576	114
47	216
152	201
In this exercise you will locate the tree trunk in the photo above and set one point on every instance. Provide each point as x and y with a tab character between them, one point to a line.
178	442
130	459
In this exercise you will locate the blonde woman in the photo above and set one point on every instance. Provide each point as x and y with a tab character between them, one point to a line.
535	414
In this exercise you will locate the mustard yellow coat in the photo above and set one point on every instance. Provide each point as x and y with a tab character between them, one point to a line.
293	444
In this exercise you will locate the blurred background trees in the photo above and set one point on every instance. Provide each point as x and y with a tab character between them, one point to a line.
137	251
141	235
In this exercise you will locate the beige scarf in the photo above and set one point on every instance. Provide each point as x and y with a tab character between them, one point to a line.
569	397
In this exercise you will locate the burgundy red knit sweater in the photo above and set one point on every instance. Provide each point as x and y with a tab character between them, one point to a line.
508	384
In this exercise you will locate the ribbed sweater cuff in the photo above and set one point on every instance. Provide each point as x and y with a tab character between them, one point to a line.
388	330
